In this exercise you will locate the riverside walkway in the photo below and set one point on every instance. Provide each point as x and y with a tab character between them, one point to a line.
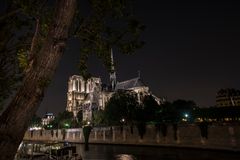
219	136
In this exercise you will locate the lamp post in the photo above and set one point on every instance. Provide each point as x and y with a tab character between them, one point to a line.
86	133
122	121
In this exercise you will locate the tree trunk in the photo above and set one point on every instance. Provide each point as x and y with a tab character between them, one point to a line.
15	119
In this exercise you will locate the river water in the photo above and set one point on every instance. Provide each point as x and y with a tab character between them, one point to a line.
126	152
123	152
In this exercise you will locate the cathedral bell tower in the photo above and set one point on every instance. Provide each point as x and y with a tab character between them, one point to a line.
113	79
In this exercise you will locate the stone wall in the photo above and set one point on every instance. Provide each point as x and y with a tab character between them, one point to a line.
187	135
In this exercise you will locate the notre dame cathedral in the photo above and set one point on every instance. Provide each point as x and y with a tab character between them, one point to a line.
91	94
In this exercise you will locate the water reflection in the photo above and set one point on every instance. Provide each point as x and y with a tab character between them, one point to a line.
125	157
124	152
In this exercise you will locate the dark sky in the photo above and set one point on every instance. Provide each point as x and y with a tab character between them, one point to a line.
192	50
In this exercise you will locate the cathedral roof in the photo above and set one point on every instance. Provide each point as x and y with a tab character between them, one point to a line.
128	84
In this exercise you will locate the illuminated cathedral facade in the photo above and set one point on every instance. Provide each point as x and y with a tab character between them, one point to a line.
89	95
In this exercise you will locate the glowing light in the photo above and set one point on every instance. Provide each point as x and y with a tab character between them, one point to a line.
35	128
66	125
125	157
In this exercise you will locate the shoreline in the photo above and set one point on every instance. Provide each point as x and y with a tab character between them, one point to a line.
179	146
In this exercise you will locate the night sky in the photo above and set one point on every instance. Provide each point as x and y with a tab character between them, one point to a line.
192	50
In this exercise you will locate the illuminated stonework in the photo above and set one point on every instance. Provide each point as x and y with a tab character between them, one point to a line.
228	97
47	118
89	95
83	95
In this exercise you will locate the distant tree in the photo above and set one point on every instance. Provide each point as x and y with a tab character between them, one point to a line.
36	121
184	105
146	112
184	108
98	117
63	120
167	113
121	108
150	108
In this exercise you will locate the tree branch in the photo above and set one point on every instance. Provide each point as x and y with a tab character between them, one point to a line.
33	44
9	14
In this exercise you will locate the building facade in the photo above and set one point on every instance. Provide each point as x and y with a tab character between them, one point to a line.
91	94
228	97
48	117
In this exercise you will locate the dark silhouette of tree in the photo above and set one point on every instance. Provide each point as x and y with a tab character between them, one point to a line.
184	105
13	44
98	117
36	121
167	113
146	112
63	120
96	32
121	108
150	108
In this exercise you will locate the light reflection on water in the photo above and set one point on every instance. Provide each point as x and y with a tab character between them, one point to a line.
124	152
125	157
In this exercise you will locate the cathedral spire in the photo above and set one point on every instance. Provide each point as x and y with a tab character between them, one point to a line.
112	63
139	74
113	79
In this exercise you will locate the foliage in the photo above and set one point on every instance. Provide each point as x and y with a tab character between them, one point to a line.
108	24
167	113
24	27
147	112
184	105
36	121
174	112
63	120
121	106
98	117
17	29
37	39
150	108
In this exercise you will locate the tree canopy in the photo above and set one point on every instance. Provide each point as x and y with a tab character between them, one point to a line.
46	26
121	108
150	108
25	25
63	120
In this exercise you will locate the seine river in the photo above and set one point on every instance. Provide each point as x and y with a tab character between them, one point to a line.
123	152
126	152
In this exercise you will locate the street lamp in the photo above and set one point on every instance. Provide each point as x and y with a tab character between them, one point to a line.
185	117
66	125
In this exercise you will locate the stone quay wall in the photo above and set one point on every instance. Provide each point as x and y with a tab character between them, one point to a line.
219	136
